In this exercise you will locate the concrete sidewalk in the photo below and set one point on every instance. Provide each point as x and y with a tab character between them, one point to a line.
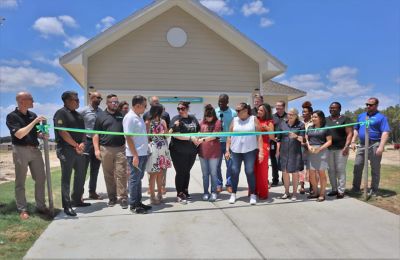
275	228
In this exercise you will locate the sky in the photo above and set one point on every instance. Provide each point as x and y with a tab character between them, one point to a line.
335	50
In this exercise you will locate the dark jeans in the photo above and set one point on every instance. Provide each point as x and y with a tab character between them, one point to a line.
135	180
249	160
183	163
94	164
70	160
228	164
274	161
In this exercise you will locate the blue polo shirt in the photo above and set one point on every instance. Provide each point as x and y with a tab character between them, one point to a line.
378	125
226	120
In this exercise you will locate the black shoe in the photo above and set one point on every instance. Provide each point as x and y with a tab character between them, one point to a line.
333	193
340	195
69	211
138	210
146	207
124	203
81	204
274	184
111	203
188	197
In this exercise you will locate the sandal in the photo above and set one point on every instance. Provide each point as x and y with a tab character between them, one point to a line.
320	199
24	215
312	196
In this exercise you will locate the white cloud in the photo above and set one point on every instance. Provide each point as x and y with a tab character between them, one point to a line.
221	7
305	81
68	21
8	3
53	62
75	41
15	62
49	26
255	7
22	78
265	22
105	23
346	83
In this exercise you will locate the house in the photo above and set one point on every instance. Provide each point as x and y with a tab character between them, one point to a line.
177	50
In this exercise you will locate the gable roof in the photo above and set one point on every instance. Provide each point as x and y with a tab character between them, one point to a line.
75	62
272	88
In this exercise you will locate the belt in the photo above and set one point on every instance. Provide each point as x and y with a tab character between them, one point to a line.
27	145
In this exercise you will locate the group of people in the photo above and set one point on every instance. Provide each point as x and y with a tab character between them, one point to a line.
301	147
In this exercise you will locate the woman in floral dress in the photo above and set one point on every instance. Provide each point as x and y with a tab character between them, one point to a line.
159	158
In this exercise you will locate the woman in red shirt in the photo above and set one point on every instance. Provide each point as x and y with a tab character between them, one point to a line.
264	115
210	151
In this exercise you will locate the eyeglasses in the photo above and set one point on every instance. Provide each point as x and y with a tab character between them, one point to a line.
99	98
114	102
181	108
369	105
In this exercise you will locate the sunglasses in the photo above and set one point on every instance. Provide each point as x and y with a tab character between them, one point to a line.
181	108
99	98
239	110
369	105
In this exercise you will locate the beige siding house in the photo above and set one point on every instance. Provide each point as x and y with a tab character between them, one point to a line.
175	49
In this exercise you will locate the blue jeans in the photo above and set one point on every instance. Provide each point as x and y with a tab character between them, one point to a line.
135	180
249	159
209	167
228	164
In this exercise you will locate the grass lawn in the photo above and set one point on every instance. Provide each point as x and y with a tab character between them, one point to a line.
16	236
389	187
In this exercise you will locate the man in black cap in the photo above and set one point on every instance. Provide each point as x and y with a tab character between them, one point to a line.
70	147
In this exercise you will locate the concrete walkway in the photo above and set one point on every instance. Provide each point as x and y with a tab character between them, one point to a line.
275	228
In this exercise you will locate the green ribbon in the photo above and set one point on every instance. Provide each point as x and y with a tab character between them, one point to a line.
44	128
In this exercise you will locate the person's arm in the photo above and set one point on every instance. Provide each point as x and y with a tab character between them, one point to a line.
22	132
96	146
381	147
228	143
349	136
325	145
217	128
260	140
354	139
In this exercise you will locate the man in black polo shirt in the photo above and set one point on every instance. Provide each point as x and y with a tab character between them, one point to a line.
70	147
21	123
110	149
278	117
339	150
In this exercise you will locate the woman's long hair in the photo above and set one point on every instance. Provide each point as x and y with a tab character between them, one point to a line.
209	111
268	112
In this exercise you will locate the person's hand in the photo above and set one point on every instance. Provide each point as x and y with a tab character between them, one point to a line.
195	141
80	148
345	151
227	155
292	135
40	119
260	157
135	161
379	151
177	123
97	154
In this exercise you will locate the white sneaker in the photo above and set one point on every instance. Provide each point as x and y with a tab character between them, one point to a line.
253	199
205	197
213	197
233	198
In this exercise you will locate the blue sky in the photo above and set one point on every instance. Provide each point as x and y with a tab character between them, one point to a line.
336	50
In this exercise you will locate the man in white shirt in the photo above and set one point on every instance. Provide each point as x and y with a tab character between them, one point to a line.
136	152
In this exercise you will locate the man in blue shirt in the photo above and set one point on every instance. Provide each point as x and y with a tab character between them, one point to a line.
225	114
378	133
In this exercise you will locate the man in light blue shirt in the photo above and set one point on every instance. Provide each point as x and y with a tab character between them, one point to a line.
136	152
226	115
378	134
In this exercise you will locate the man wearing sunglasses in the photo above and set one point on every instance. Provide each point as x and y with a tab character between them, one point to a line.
378	133
89	114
